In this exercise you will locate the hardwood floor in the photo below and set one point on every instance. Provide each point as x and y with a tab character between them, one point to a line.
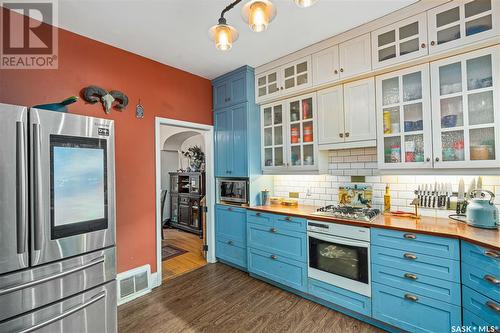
186	262
219	298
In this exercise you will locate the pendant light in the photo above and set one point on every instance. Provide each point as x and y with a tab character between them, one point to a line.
222	33
258	14
305	3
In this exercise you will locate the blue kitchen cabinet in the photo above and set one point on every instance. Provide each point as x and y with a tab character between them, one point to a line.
230	235
236	118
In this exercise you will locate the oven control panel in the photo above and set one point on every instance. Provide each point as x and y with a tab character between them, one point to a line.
339	230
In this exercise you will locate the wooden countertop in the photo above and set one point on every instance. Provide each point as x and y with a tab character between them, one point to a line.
425	225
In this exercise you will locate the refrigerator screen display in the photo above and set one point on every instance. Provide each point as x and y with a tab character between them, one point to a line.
78	185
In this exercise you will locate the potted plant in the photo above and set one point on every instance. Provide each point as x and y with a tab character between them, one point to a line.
196	158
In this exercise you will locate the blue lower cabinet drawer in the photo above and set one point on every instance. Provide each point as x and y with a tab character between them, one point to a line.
288	272
290	223
481	281
418	243
413	312
480	305
227	251
264	219
284	243
476	324
486	259
417	263
230	223
442	290
338	296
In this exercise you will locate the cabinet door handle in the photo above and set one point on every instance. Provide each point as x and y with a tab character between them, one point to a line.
335	72
411	297
347	134
491	279
341	135
288	218
230	242
274	257
433	43
493	306
230	209
423	45
492	254
258	214
341	70
410	276
437	159
410	256
409	236
428	159
281	88
273	230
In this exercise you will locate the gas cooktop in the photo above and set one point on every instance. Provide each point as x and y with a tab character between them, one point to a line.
348	212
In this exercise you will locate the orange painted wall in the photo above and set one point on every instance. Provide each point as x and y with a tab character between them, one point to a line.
164	91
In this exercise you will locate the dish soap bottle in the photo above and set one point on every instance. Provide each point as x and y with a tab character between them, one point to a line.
387	199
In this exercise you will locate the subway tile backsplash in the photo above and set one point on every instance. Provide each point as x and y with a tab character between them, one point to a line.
322	190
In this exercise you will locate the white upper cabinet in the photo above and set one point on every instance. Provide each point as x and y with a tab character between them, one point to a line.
331	115
355	56
285	79
462	22
401	41
404	119
359	106
466	110
345	60
346	115
326	66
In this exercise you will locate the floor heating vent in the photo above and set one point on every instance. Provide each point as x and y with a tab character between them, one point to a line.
133	283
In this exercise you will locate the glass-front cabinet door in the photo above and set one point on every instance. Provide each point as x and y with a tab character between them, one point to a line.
273	136
461	22
401	41
296	75
301	117
404	119
268	84
465	110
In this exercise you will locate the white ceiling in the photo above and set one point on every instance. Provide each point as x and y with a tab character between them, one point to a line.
175	32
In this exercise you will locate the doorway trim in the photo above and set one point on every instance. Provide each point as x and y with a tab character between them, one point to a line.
208	135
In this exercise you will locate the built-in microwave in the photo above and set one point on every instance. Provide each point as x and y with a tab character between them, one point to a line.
232	190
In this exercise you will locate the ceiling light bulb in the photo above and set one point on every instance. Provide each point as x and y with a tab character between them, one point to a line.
305	3
258	14
223	35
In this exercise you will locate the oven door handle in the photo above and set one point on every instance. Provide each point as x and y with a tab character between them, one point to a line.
339	240
91	263
63	315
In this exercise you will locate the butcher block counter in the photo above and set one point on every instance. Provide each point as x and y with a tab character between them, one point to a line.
425	225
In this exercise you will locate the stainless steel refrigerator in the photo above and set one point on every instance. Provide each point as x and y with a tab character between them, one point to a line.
57	222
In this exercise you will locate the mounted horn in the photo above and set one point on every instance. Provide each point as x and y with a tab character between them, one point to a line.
121	98
89	94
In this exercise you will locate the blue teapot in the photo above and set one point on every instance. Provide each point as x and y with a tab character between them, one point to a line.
482	212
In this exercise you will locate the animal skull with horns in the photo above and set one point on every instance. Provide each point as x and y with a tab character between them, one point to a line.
93	94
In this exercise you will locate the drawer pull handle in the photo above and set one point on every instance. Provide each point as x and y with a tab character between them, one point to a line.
230	242
288	218
493	306
410	276
230	209
491	279
411	297
410	236
410	256
274	257
492	254
273	230
258	214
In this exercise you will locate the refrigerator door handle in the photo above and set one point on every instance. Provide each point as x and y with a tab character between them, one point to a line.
52	277
63	315
37	178
21	206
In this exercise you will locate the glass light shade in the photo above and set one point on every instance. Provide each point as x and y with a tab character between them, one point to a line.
305	3
223	35
258	13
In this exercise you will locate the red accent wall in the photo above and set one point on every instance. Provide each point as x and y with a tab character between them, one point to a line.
164	91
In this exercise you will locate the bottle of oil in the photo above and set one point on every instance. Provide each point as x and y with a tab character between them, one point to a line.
387	199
